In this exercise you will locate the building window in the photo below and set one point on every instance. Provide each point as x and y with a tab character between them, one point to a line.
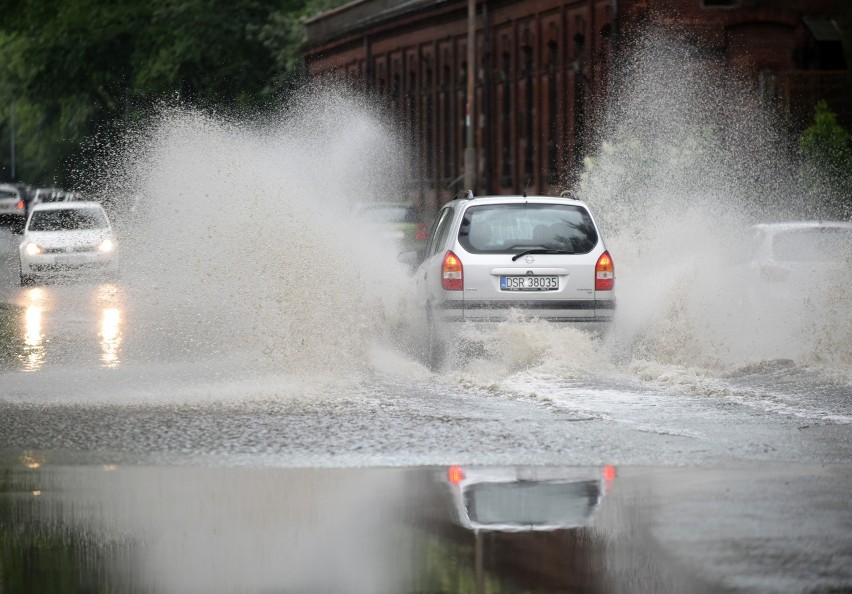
448	125
395	97
413	133
825	49
528	109
430	132
461	117
506	140
552	101
579	101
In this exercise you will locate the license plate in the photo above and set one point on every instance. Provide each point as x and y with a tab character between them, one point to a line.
529	283
71	260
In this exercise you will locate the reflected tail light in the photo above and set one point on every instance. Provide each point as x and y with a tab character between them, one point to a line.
455	475
608	473
452	273
604	273
422	234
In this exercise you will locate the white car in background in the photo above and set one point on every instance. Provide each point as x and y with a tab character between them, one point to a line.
790	261
67	238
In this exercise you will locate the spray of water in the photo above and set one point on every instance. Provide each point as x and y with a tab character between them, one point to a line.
689	158
242	241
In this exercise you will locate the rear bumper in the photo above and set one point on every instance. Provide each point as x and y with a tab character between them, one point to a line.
579	311
12	211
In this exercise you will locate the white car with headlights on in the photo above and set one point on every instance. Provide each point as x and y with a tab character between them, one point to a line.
67	238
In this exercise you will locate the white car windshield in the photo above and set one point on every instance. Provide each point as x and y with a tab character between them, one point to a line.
820	244
509	228
70	219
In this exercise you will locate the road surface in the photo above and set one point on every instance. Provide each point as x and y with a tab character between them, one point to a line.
202	458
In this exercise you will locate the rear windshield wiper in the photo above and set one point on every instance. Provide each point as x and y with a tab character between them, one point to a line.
539	251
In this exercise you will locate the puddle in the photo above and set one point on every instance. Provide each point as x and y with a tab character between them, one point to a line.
431	529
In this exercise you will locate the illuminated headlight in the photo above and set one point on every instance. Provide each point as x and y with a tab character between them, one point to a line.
33	249
107	245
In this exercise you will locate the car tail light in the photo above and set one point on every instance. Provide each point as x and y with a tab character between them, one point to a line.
455	474
608	478
421	234
773	273
604	273
452	274
20	204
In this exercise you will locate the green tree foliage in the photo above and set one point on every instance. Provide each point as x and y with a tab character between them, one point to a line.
283	35
204	51
827	162
62	74
74	68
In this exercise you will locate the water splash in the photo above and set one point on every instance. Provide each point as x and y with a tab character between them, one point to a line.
691	158
240	238
243	241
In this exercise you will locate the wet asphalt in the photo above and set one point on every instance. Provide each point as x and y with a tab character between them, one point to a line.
147	473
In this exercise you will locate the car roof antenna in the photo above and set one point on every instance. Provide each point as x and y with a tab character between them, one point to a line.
527	187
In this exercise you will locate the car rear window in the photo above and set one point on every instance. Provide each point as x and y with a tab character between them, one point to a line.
820	244
68	219
509	228
528	503
6	194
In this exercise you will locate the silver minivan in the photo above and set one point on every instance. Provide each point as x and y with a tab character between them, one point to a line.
492	258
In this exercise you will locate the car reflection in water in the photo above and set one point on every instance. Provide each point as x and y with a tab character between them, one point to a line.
33	352
522	499
530	525
50	329
146	527
110	328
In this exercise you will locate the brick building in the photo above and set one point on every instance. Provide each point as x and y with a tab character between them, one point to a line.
542	66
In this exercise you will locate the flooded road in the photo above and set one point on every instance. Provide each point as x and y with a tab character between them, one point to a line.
136	471
78	380
247	408
755	528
